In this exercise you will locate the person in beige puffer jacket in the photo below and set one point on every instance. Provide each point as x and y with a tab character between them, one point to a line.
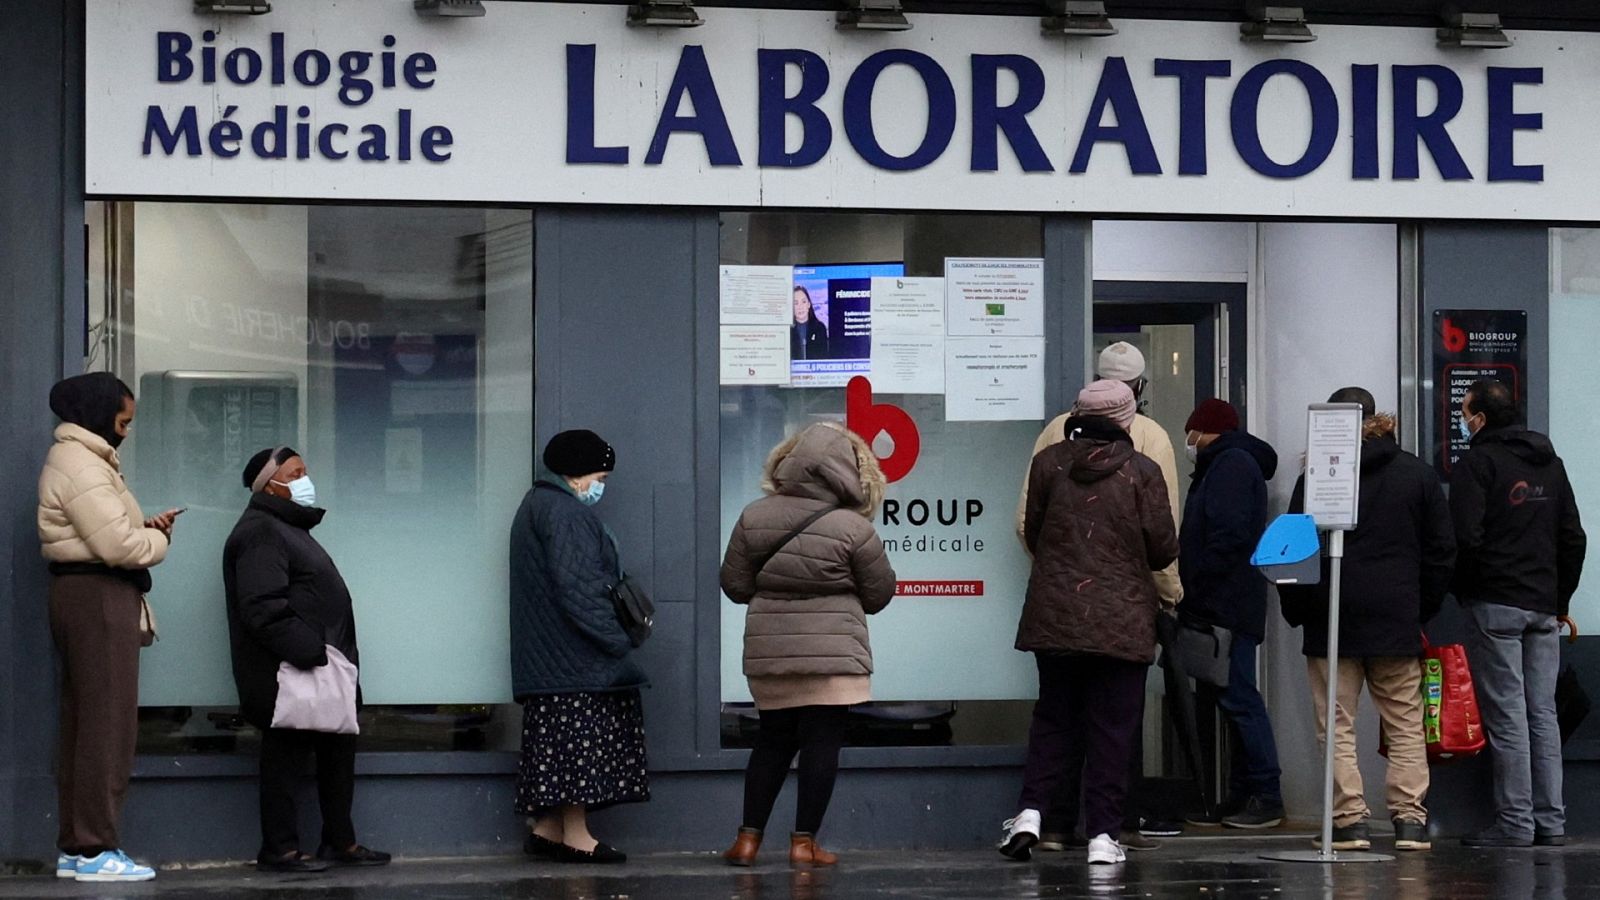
808	563
100	548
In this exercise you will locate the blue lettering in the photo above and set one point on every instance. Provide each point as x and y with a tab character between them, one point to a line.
311	67
226	135
155	127
775	106
325	141
375	147
436	143
1246	124
1192	75
251	70
418	65
1505	122
858	125
1364	121
1116	91
1409	127
989	118
172	57
693	78
580	112
270	139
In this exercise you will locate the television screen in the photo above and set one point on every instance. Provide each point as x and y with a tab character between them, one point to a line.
830	337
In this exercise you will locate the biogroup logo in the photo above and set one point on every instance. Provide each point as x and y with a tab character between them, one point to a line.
869	419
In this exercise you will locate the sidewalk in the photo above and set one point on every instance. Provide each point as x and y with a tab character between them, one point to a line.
1219	868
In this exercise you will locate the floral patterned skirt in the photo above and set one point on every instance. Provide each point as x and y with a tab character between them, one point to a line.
584	749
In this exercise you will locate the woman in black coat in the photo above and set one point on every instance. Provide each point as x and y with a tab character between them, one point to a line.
287	604
582	722
1397	567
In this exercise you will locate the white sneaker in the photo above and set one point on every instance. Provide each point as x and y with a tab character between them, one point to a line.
1105	851
112	865
1021	833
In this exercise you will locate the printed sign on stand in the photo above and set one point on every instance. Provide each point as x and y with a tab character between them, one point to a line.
1333	465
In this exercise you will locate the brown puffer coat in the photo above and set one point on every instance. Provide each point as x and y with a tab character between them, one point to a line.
1098	523
809	605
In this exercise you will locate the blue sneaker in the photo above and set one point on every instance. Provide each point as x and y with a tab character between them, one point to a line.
67	865
112	865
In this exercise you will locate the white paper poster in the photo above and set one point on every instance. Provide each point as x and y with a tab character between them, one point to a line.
755	354
994	379
1333	465
907	364
756	295
995	297
908	306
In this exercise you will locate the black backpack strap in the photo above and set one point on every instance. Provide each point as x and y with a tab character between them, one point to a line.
784	542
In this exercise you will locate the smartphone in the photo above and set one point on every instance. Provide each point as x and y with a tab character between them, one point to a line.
180	510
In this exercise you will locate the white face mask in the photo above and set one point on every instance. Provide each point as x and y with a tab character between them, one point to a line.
1192	451
301	490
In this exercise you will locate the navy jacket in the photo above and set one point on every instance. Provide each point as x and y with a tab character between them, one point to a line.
1516	522
565	637
286	601
1397	563
1223	518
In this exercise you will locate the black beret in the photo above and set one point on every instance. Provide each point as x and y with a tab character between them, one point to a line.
579	452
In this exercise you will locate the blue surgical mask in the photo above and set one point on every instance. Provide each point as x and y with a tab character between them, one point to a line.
1461	425
301	490
592	496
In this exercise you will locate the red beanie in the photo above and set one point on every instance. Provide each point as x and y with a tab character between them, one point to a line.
1213	416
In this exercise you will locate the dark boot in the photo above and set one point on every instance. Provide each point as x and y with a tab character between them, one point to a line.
744	849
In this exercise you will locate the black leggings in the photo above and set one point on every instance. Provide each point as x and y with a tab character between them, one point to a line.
816	733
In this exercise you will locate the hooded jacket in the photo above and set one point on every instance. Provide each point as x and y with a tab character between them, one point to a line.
809	603
1518	533
1098	525
286	600
565	636
86	513
1397	563
1223	518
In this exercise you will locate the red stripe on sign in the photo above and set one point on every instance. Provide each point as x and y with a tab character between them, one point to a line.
939	589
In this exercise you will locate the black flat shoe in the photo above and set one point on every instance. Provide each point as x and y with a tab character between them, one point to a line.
601	855
541	847
299	863
360	856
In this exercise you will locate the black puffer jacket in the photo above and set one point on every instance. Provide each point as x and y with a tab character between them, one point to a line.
1396	567
286	600
565	637
1517	526
1097	524
1223	518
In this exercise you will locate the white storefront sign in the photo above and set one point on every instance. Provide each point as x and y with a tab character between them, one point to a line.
562	103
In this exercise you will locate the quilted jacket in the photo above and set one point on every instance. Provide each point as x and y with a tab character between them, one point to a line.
565	637
86	512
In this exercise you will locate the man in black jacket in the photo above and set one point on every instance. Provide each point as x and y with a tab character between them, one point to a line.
1396	571
1522	548
1223	518
287	604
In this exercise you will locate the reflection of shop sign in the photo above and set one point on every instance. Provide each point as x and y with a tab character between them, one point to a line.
1473	345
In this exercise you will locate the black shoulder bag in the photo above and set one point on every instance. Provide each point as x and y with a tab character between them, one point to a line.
634	610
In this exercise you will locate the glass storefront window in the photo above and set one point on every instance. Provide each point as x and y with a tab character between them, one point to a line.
392	346
946	672
1574	321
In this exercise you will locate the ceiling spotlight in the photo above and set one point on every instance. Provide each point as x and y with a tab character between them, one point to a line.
665	13
1077	18
872	15
1480	31
449	9
238	7
1277	24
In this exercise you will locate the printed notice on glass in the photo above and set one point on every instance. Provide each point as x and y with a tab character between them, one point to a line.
994	379
907	364
1333	465
754	354
756	295
994	297
908	306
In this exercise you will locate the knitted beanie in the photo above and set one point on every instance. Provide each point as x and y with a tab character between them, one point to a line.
1111	399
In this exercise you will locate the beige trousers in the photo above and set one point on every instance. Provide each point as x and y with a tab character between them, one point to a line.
1395	684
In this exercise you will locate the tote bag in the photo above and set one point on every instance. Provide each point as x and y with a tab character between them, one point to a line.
1451	725
320	699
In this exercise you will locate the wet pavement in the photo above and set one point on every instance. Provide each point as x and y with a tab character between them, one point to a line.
1215	869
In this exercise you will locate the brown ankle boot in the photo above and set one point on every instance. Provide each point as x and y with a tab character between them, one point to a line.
803	851
744	849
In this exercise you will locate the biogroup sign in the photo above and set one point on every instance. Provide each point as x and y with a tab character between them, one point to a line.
564	103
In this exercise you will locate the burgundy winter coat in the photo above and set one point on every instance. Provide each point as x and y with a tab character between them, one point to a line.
1098	523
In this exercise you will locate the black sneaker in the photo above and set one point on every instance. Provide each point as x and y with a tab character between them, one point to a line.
1160	828
1226	808
1549	840
1411	835
1495	836
356	856
1348	837
1258	812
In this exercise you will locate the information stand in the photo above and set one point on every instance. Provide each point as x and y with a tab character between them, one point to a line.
1332	499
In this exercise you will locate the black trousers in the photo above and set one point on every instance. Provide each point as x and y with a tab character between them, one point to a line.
814	732
1062	816
285	756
